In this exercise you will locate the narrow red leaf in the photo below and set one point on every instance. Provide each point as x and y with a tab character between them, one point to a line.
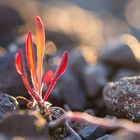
40	40
19	63
31	59
48	76
49	90
60	70
62	66
21	70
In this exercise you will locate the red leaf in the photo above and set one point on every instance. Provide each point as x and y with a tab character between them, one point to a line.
37	76
48	76
31	58
19	63
21	70
60	70
40	40
62	66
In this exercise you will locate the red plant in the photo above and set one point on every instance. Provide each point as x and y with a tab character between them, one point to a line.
37	71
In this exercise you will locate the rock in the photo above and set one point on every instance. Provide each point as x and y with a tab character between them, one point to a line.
91	132
77	62
94	78
123	73
72	93
71	137
121	52
10	20
24	124
7	104
87	131
99	106
10	81
123	97
56	97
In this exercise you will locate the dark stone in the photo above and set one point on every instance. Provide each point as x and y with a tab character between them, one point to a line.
25	124
10	20
123	97
91	132
7	104
123	73
72	93
99	106
10	81
94	78
87	131
62	39
77	62
56	97
120	52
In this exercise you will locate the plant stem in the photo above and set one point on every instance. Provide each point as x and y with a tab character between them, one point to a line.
44	112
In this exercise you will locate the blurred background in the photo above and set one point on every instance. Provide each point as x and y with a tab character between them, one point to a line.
71	23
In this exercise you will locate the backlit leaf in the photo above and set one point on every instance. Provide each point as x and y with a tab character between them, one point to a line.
19	63
60	70
40	41
48	76
21	70
31	58
62	66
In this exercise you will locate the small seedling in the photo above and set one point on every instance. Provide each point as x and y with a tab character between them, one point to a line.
36	72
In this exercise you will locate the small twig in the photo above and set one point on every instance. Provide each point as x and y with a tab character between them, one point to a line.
102	122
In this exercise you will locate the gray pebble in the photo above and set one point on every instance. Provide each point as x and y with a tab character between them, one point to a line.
7	104
123	97
120	52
